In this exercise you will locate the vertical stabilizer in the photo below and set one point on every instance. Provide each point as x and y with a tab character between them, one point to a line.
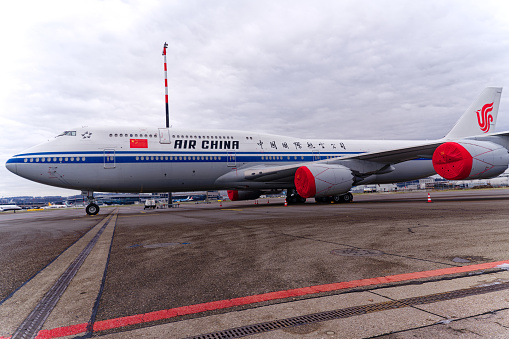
480	117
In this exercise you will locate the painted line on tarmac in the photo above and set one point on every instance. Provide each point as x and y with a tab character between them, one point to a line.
222	304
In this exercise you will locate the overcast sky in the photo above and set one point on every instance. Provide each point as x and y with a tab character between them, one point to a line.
356	69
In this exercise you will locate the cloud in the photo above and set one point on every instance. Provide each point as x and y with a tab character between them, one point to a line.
349	69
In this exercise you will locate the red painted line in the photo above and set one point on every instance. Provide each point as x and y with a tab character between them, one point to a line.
62	331
216	305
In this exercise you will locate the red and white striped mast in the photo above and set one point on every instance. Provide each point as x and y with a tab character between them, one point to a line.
170	197
166	87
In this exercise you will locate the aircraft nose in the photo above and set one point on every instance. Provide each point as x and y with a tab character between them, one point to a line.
11	166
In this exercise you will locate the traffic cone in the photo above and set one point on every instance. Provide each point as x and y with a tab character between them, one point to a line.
221	203
267	201
286	204
429	198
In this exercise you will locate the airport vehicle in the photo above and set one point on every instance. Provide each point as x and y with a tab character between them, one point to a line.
117	159
5	208
150	203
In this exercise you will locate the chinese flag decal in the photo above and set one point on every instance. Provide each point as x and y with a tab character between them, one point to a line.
139	143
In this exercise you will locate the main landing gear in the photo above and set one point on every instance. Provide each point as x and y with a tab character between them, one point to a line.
336	199
292	197
92	208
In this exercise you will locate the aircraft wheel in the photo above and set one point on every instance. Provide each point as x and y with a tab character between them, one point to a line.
92	209
342	198
337	199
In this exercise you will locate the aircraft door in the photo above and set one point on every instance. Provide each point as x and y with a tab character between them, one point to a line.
109	158
231	159
316	155
164	136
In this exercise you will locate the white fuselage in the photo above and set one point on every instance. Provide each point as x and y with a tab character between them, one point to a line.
5	208
162	160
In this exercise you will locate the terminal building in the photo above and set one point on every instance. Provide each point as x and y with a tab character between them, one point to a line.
431	183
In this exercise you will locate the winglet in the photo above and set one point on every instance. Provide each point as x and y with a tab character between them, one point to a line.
480	117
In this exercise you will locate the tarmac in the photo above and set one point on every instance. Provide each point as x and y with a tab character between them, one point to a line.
390	265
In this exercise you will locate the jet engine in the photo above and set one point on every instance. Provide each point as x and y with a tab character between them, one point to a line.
470	159
236	195
323	180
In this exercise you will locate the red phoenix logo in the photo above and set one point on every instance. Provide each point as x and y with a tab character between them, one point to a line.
484	119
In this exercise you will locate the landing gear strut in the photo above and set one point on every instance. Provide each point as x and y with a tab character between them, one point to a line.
292	197
92	208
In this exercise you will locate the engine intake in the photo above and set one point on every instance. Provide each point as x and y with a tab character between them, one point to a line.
323	180
470	159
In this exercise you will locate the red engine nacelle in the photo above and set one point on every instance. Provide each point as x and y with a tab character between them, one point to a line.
322	180
236	195
470	159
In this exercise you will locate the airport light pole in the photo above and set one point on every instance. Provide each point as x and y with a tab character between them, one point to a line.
170	198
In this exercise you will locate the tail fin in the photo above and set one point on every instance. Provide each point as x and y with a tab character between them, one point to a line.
480	117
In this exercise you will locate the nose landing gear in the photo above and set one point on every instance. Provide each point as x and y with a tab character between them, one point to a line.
92	208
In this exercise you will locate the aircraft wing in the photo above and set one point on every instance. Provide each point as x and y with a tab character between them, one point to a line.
394	156
360	164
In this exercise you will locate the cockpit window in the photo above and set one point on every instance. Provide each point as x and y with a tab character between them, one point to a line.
68	133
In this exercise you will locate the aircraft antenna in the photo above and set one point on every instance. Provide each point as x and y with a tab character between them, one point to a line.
166	87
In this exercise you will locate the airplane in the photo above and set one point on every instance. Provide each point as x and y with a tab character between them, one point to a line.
54	206
188	198
248	164
5	208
